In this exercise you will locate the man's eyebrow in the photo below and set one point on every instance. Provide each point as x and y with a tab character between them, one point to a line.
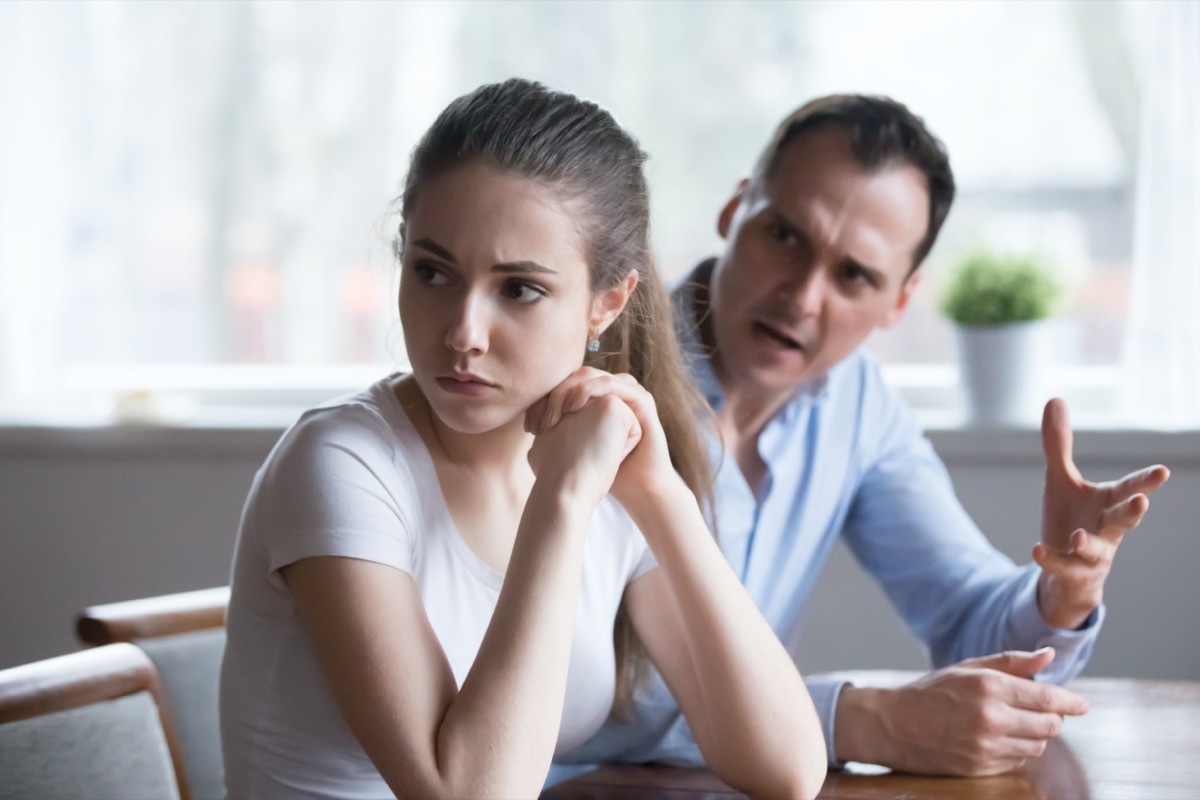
791	227
436	249
798	230
877	276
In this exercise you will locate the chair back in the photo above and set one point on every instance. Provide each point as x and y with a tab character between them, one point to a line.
86	725
184	636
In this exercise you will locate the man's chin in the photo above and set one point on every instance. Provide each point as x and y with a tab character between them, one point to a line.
772	377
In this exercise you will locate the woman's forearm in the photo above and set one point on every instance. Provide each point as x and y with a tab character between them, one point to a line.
498	735
756	725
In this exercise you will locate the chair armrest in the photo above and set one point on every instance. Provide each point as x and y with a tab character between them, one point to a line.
150	617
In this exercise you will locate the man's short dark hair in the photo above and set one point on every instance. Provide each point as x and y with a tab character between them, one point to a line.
882	133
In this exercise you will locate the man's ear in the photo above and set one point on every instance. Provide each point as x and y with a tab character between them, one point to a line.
725	218
608	304
897	311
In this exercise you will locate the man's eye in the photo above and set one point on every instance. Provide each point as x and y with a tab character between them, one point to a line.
857	275
523	292
782	234
429	274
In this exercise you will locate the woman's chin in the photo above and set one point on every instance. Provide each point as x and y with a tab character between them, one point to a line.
476	421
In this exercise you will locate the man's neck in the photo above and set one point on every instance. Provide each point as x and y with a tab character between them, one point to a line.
748	412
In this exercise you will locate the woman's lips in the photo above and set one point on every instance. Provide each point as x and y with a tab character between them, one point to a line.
467	385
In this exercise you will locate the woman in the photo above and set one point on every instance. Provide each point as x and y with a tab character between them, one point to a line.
428	574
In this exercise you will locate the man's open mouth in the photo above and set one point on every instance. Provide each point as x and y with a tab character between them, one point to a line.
782	339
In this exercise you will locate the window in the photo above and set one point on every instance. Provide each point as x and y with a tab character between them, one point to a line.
197	196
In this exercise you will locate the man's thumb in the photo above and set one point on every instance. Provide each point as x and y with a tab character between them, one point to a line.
1021	663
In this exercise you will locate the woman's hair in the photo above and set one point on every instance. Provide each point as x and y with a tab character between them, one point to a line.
578	150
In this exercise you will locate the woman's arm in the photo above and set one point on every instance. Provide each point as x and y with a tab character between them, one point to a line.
494	736
742	695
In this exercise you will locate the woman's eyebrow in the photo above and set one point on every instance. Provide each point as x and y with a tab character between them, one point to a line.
523	266
504	266
436	249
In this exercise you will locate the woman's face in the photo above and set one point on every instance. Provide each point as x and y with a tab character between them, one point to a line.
495	296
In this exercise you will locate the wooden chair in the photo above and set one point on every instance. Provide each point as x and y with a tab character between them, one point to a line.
184	636
85	725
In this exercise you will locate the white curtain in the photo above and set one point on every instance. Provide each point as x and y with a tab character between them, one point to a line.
1160	371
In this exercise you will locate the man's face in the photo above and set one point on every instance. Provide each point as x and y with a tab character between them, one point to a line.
817	256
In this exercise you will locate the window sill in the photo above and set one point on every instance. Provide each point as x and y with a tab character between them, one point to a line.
239	433
239	412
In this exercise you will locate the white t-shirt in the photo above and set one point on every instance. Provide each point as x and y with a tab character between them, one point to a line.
353	478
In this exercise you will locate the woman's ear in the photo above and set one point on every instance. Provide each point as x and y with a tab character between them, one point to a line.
608	304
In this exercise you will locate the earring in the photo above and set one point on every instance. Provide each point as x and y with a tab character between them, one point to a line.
594	342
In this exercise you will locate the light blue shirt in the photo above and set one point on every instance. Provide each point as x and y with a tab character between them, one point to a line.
845	458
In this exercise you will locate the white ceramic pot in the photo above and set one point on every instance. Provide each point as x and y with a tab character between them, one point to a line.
1000	371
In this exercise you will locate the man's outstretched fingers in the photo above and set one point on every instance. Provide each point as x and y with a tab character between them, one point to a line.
1143	481
1089	549
1057	437
1123	517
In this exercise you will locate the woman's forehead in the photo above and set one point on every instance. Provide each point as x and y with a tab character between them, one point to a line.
480	211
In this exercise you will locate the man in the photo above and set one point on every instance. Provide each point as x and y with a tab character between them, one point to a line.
823	245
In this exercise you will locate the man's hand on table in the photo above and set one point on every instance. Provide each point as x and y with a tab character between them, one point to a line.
982	716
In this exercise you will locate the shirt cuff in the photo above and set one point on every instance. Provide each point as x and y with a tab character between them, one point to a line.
825	693
1029	631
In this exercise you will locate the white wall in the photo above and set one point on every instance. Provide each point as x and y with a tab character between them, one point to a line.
98	515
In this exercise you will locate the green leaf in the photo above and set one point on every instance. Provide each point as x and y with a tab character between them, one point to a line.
994	289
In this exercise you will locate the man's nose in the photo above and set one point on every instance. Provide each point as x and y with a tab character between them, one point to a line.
468	330
807	291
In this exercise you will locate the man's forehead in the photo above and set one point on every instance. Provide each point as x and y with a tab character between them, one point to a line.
818	181
813	159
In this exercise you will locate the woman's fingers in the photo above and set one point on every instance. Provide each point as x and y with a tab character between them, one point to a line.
581	387
533	416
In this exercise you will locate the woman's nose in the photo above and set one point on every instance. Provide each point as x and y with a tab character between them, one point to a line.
467	332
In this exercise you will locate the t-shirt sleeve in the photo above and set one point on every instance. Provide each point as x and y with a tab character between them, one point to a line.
333	487
644	563
623	544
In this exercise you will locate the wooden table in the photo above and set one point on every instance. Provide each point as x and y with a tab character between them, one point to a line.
1141	739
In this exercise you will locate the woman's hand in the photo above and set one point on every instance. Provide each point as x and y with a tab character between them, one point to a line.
645	468
583	448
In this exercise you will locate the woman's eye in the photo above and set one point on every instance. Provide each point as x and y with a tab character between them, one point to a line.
429	274
523	292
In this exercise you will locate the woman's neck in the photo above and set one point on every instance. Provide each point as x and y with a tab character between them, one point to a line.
485	478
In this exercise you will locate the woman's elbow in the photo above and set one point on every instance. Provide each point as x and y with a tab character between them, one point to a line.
802	775
801	778
807	784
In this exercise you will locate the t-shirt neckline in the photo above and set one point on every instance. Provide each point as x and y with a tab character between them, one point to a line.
425	475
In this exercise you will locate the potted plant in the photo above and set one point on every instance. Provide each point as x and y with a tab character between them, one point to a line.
1000	303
